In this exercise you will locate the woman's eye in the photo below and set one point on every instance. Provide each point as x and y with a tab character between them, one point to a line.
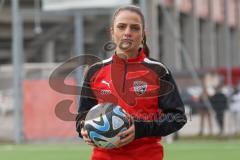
121	27
135	28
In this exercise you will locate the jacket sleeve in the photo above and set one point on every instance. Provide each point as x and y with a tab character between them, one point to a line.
172	119
87	101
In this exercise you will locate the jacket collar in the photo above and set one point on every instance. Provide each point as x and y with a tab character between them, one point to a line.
139	58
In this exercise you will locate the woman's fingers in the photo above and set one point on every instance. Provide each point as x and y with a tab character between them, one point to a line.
84	133
129	131
126	136
129	138
130	119
86	138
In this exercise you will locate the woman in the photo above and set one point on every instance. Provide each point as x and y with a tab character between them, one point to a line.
142	86
204	108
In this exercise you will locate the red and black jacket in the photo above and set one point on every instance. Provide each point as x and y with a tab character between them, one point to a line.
144	87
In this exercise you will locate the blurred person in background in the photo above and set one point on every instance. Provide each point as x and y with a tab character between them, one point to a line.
204	109
141	140
235	109
219	103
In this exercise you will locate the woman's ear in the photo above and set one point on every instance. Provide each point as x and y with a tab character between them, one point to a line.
111	32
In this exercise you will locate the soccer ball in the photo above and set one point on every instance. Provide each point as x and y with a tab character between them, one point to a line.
103	122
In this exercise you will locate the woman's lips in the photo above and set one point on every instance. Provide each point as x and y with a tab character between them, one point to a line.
127	40
125	44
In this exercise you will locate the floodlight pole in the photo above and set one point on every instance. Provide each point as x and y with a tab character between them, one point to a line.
79	46
227	46
78	40
17	60
150	11
79	35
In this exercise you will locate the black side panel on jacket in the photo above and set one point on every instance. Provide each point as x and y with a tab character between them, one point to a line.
87	98
173	117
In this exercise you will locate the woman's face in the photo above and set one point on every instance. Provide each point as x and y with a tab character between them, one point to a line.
127	32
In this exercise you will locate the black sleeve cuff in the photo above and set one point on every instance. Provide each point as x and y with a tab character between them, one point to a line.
159	127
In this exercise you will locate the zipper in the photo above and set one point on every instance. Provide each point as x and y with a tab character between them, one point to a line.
124	76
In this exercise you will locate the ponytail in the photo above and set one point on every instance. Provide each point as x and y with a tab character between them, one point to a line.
145	46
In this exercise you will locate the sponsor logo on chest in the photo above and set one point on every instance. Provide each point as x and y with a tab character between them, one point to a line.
105	92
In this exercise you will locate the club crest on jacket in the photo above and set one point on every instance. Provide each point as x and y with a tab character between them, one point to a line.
140	87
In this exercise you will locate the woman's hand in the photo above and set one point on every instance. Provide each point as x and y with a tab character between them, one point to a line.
86	138
127	136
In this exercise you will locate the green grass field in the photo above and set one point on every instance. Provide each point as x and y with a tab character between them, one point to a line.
181	150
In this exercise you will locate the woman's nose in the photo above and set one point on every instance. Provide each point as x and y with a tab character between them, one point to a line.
127	32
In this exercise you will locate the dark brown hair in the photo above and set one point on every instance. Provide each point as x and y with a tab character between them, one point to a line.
137	10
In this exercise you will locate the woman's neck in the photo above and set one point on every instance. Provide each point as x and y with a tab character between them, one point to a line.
127	54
